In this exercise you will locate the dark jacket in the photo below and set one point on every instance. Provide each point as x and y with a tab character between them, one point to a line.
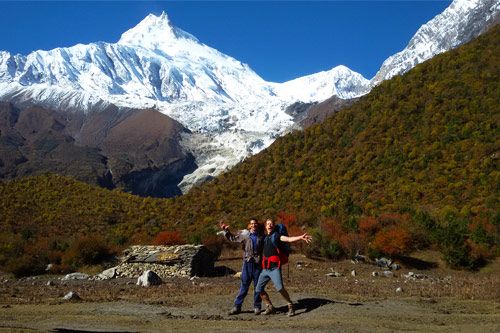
249	253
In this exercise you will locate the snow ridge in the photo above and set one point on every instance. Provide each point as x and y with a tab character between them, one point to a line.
462	21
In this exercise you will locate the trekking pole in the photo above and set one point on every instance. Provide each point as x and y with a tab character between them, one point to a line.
288	272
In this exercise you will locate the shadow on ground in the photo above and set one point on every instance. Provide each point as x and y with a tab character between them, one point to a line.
222	271
411	262
306	305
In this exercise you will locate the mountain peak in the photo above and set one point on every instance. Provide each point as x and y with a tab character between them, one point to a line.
154	32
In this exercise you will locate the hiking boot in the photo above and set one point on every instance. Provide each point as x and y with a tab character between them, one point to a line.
256	311
269	310
291	311
235	310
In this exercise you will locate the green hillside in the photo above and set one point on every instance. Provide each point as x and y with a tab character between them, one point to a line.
427	140
413	164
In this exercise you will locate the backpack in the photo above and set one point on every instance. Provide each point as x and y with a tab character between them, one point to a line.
282	247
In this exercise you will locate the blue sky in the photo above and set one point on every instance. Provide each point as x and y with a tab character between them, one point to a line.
280	40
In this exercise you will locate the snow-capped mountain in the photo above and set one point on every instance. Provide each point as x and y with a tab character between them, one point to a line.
231	111
459	23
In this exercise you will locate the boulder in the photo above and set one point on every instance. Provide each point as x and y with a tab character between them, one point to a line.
107	274
383	262
149	278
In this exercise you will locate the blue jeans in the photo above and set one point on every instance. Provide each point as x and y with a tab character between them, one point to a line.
273	274
250	271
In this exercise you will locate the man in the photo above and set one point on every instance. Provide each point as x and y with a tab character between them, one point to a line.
271	266
251	238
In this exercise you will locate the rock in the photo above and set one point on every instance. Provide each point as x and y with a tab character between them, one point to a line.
72	296
75	276
387	273
149	278
237	275
334	274
358	259
107	274
399	290
383	262
374	273
50	283
415	276
49	267
395	267
353	273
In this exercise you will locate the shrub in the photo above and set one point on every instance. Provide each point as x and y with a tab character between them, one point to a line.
392	241
169	238
353	243
323	246
26	265
89	250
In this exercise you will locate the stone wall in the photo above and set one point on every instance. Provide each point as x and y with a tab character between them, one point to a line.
166	261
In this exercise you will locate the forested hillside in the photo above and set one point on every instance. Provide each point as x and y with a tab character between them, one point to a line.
411	165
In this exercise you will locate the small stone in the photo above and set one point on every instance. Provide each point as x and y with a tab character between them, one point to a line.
399	290
237	275
374	273
50	283
353	272
72	296
334	274
387	273
395	267
75	276
49	267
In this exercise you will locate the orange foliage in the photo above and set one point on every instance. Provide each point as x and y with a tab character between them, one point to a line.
332	229
368	225
168	238
352	243
392	241
479	252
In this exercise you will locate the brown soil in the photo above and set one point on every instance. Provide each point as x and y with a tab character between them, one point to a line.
444	301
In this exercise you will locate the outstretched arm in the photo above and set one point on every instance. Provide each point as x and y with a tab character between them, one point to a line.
305	237
237	238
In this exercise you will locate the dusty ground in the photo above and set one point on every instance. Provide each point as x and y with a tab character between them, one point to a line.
445	301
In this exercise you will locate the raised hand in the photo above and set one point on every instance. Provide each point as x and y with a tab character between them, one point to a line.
306	238
223	226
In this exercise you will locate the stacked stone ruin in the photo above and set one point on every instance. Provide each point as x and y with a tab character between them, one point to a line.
166	261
